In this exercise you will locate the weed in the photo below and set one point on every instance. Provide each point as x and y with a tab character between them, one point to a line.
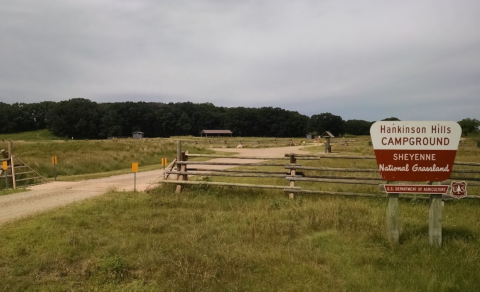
115	269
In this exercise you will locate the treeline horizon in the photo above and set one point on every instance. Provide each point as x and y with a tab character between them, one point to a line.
85	119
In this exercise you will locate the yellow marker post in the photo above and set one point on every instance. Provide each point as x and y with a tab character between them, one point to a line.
134	170
54	162
5	167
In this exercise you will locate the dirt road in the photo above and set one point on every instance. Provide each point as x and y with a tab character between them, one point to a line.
56	194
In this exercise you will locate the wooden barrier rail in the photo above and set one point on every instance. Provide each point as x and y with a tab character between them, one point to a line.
291	172
18	173
226	141
292	176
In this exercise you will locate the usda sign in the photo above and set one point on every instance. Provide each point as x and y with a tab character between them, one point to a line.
415	151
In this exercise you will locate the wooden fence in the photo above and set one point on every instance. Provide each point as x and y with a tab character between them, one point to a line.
326	169
232	142
298	178
18	173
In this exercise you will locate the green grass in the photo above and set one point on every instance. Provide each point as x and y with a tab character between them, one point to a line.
11	191
82	157
40	135
227	239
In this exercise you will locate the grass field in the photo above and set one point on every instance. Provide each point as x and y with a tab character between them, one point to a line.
89	158
229	239
40	135
211	239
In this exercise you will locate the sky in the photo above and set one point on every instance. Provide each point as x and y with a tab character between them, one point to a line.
367	60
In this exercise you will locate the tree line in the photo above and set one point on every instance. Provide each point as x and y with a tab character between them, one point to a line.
85	119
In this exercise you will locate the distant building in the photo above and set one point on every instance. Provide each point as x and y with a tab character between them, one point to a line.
137	135
217	133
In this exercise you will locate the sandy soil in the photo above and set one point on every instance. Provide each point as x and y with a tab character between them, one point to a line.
56	194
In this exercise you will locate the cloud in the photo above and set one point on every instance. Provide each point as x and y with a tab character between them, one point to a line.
367	60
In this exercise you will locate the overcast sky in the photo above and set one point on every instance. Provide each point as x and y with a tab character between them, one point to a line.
369	60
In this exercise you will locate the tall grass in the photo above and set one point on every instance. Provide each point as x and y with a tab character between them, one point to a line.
77	157
39	135
227	239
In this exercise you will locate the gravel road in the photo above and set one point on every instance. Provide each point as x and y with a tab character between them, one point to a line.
56	194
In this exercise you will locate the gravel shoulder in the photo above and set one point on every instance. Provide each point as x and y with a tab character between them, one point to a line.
52	195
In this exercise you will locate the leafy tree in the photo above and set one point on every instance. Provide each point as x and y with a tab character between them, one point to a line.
111	124
469	126
39	113
77	117
391	119
327	122
298	125
358	127
21	117
184	126
7	125
241	121
207	116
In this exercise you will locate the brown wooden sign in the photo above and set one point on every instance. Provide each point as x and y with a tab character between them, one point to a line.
415	150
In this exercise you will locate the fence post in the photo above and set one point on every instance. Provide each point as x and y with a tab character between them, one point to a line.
12	164
435	220
393	218
293	172
179	166
183	167
328	148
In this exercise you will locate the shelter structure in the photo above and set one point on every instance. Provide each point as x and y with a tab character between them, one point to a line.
327	135
137	135
217	133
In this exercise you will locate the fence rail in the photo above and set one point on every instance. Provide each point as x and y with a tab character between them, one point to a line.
18	173
294	173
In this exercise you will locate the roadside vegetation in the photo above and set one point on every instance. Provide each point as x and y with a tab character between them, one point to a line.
38	135
228	239
231	239
79	159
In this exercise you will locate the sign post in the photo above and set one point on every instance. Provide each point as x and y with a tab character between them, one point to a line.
416	151
5	167
134	170
392	218
54	162
435	219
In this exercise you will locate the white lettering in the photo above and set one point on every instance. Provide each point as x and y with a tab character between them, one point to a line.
415	156
416	141
383	167
433	168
